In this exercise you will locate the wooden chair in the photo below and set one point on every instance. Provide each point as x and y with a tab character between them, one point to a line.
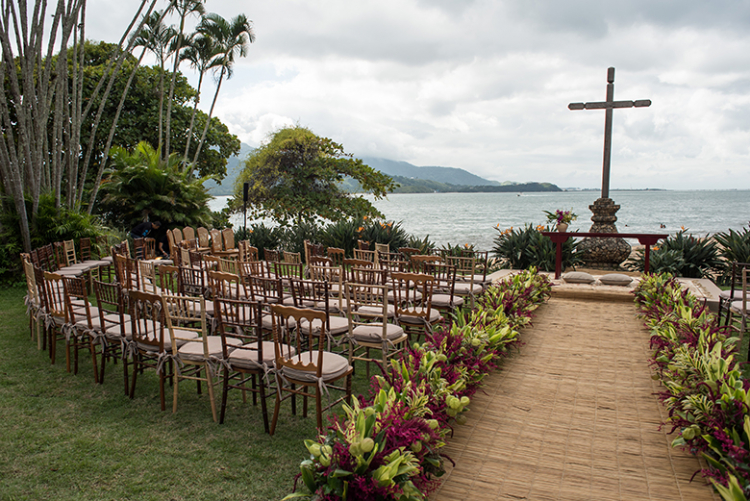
115	327
444	296
271	255
413	302
408	252
149	350
188	233
56	321
392	261
32	300
336	255
227	285
366	255
246	252
248	361
216	242
147	275
363	245
254	268
735	293
203	238
103	263
465	274
82	331
127	272
381	249
227	236
191	344
738	307
418	261
309	370
313	250
319	261
178	237
334	275
292	258
316	294
367	312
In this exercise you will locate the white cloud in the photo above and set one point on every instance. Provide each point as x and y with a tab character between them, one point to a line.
484	85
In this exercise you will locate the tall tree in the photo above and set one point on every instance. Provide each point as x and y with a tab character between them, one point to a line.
233	39
40	113
296	176
156	37
201	54
184	8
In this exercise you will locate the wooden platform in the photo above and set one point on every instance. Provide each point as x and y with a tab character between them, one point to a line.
573	416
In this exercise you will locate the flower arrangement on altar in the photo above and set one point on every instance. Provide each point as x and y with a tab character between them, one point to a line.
561	216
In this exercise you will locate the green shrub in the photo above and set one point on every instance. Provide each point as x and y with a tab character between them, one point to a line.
425	245
342	234
264	237
682	255
733	246
293	238
522	249
384	232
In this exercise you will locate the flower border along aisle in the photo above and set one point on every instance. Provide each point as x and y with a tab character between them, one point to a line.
387	447
705	392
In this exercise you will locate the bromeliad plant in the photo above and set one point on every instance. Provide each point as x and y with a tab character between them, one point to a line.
705	392
387	447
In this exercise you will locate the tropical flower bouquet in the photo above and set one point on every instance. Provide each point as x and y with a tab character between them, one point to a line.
561	216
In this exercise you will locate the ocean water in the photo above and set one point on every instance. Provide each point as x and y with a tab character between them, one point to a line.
460	218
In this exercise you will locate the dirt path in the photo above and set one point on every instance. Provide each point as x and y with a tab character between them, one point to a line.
572	417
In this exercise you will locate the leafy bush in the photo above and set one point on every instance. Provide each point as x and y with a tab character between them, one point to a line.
682	255
293	239
384	232
521	249
425	245
455	250
704	389
342	234
733	246
264	237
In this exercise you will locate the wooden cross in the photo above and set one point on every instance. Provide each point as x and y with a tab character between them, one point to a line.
609	105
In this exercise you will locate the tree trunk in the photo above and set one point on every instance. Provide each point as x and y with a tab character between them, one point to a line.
192	117
208	120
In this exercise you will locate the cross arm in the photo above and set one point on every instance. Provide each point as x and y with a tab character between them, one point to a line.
603	105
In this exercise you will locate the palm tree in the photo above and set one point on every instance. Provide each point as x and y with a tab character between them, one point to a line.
201	54
156	37
233	38
183	8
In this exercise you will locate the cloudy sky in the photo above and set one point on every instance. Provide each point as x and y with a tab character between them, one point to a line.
484	85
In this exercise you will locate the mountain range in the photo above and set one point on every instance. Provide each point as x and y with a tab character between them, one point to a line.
411	178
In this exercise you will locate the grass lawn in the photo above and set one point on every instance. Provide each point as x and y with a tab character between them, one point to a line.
64	437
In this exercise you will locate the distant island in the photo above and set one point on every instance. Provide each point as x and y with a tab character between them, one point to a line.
409	178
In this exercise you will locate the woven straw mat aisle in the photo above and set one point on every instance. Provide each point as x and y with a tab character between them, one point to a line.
573	416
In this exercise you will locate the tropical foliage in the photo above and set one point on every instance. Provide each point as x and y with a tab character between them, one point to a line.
141	184
522	248
682	255
387	446
704	389
295	176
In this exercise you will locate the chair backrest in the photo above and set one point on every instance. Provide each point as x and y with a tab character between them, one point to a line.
413	294
240	319
408	251
84	246
32	291
418	261
203	237
265	289
336	255
168	276
77	302
445	277
147	272
367	304
127	272
216	242
367	275
191	281
228	265
227	234
69	247
59	254
287	270
177	234
226	285
292	257
271	255
139	248
382	248
363	245
392	261
465	267
301	329
186	314
188	233
312	250
146	320
247	251
54	289
319	261
254	268
149	251
365	255
102	242
111	308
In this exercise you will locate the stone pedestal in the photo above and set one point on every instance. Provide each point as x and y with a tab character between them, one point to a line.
604	253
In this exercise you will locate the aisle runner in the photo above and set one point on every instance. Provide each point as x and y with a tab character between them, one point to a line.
572	417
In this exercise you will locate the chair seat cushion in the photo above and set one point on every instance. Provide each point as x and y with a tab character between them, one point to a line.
444	301
338	325
737	307
167	342
417	320
193	350
107	259
374	311
735	295
616	279
467	288
334	366
247	358
578	277
373	333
